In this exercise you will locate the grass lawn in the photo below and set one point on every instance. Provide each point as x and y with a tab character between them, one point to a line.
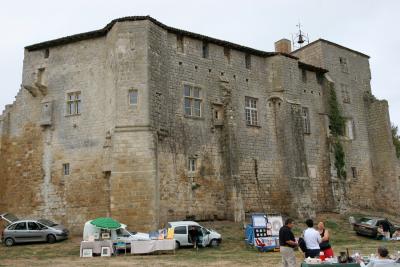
232	252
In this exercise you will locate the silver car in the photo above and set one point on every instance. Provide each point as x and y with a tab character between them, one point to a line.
22	231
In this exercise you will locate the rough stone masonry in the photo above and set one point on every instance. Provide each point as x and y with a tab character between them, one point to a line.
148	123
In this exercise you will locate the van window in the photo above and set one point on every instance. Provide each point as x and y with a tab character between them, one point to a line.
180	230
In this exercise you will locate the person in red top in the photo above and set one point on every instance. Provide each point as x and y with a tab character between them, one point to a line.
325	246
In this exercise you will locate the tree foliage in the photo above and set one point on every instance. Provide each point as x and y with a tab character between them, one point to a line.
336	120
337	123
396	140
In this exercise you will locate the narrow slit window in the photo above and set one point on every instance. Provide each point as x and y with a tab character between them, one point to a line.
227	54
192	164
343	64
306	120
46	53
205	50
179	43
65	167
248	61
354	172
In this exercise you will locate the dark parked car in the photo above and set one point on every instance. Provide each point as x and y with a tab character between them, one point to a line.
368	226
22	231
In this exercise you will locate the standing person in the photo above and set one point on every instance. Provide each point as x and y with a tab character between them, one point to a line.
325	246
287	244
193	235
312	239
386	230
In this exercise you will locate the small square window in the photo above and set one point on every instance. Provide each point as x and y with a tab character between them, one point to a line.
192	165
133	97
65	169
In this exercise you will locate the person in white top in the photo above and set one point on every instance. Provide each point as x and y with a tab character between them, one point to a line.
312	239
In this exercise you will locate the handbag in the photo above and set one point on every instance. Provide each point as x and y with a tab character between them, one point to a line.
302	244
324	245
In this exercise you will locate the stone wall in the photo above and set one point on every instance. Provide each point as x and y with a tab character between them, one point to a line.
356	189
131	161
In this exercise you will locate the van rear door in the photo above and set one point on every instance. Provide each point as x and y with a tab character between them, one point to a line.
181	235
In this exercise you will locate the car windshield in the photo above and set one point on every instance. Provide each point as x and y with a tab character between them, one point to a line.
123	232
47	222
368	221
10	217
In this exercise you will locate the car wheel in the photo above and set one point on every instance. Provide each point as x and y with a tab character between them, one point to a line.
177	245
9	242
214	243
51	239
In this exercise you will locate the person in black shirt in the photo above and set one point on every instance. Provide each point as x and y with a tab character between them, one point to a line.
287	243
193	235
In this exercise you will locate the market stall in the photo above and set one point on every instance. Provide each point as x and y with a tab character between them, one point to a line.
330	265
98	237
143	247
263	232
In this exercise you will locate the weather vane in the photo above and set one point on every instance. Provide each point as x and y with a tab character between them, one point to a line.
298	39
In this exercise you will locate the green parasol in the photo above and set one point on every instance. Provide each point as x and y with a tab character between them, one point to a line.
106	223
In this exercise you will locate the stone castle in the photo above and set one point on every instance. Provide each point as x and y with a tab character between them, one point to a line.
147	123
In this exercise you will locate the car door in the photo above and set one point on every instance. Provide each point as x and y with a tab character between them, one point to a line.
19	233
35	233
181	235
206	237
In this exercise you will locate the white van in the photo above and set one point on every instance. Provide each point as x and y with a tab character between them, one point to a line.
120	234
208	237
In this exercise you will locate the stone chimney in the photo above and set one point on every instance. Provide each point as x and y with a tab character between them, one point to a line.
283	46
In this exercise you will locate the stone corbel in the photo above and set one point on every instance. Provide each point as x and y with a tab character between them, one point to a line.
32	90
42	88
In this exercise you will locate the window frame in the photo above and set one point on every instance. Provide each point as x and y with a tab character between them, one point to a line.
251	112
66	169
133	105
192	99
180	226
74	103
192	167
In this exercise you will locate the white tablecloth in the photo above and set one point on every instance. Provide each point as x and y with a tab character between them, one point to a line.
96	246
148	246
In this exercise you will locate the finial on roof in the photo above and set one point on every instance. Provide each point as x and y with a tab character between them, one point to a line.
298	39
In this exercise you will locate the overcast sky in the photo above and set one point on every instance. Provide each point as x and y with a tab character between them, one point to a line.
371	27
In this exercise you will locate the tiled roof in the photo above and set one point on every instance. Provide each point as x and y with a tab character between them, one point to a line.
331	43
107	28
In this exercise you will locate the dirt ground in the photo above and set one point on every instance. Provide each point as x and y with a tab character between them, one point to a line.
232	252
